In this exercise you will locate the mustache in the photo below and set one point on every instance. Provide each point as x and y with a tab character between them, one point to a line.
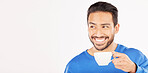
99	37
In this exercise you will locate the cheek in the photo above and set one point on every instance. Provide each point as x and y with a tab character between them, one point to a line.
109	32
90	32
112	33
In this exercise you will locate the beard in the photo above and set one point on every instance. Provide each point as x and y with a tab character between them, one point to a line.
108	43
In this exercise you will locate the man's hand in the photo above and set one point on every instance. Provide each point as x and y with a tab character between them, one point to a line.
123	62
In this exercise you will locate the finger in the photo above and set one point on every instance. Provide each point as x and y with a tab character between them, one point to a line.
117	55
113	52
120	63
119	67
117	60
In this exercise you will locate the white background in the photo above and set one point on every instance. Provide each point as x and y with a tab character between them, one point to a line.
42	36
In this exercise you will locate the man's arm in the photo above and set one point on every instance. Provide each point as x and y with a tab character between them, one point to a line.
123	62
142	64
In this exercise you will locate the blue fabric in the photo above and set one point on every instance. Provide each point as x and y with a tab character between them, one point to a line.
85	63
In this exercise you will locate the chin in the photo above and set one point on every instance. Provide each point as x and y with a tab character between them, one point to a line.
100	48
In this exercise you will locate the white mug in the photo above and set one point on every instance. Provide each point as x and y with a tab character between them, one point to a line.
103	58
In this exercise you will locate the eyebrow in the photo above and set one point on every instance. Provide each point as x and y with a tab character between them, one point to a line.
101	24
105	24
92	23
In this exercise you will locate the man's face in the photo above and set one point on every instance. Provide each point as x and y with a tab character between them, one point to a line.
101	29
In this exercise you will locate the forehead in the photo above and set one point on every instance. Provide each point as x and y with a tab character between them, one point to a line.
100	17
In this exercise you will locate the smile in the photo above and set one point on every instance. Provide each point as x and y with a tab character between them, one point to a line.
100	40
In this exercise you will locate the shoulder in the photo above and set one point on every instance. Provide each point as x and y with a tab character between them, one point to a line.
133	51
126	50
134	54
73	64
77	58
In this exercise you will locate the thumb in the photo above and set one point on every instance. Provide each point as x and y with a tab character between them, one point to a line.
113	52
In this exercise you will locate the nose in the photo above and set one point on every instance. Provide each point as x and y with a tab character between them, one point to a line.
98	32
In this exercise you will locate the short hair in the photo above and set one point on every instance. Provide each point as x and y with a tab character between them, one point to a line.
104	7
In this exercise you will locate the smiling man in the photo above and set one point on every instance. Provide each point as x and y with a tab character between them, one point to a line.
103	24
101	30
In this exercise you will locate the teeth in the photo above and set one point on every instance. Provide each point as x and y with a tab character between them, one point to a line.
100	40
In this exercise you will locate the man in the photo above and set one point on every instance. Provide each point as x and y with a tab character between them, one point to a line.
102	27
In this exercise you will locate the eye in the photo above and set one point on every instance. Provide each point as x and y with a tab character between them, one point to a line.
91	26
105	26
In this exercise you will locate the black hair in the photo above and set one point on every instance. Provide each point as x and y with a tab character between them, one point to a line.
104	7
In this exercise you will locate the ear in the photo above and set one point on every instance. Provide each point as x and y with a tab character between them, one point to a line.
117	28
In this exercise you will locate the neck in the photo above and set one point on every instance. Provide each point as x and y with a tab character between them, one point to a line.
110	48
